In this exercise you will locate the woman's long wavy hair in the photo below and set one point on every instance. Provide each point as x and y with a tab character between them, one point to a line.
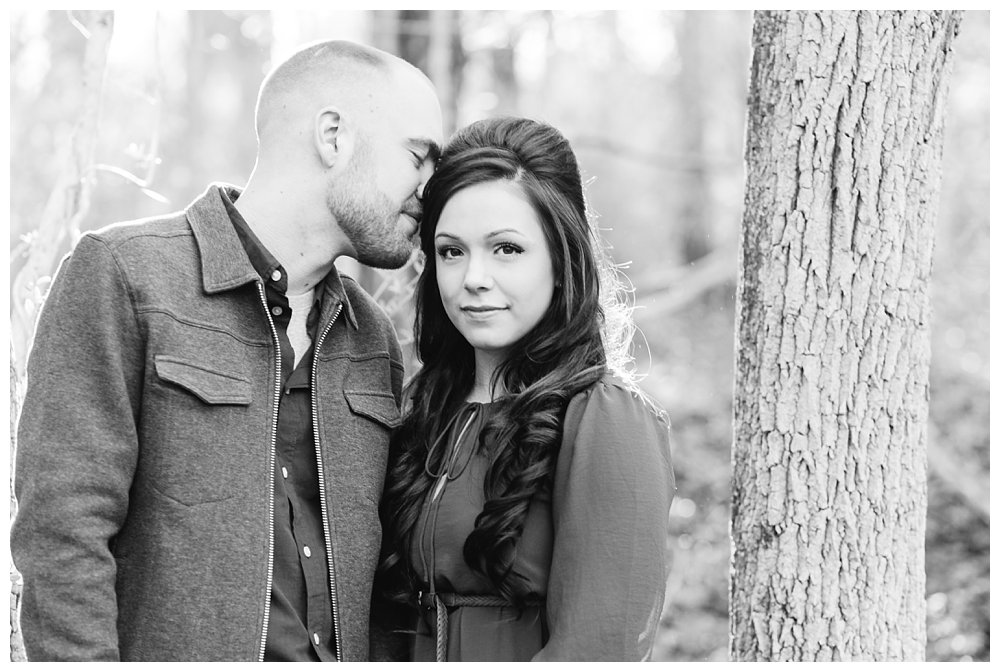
562	355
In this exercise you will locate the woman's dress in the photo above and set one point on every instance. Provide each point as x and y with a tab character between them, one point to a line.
594	550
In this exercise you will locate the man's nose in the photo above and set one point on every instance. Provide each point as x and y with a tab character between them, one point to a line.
426	170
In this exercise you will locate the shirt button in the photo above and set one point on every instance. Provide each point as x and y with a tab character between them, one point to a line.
316	638
276	275
276	310
306	551
284	472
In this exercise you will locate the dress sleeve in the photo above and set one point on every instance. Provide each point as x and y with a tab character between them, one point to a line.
77	448
610	503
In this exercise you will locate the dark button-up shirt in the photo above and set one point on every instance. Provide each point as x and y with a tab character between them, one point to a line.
301	616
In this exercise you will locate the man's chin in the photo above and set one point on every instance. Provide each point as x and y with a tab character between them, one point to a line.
389	260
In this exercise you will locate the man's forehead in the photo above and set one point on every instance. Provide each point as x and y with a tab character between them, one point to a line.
417	109
415	127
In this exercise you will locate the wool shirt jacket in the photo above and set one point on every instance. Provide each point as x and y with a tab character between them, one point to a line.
145	447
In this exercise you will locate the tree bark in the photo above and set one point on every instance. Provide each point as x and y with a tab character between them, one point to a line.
843	154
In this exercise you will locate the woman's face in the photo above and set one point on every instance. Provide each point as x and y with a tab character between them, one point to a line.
494	269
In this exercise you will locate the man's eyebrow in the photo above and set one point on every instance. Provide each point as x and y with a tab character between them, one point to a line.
432	148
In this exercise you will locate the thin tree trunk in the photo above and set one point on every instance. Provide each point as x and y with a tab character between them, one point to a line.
16	641
843	154
445	60
696	205
70	198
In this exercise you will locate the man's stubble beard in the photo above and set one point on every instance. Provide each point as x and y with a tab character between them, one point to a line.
367	216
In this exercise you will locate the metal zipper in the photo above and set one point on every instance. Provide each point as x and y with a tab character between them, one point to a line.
338	645
270	498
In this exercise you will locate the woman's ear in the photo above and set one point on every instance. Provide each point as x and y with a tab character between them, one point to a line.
333	137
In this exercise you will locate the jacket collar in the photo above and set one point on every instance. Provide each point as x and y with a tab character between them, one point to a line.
225	264
334	287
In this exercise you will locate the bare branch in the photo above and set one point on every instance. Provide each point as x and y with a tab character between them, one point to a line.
70	198
673	161
134	179
682	286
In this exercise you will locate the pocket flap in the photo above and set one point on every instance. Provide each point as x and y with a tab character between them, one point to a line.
212	387
376	406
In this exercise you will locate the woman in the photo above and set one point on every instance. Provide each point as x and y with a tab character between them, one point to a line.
526	503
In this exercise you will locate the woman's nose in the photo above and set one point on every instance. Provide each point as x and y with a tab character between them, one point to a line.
477	276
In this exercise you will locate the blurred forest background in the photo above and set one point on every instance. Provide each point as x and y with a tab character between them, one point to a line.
654	103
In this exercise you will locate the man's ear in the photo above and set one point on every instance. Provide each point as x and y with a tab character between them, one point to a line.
333	138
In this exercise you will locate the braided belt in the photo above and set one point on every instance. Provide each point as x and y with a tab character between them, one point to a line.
440	602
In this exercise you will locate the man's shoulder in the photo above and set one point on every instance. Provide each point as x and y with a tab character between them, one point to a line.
361	300
149	229
208	206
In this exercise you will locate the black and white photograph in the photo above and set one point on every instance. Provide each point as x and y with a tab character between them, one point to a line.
499	335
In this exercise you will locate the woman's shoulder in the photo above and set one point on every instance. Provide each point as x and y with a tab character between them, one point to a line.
615	397
613	426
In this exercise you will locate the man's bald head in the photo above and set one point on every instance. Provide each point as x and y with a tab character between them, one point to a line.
348	136
355	78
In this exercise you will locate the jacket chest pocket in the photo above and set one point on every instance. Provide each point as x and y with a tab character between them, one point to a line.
198	431
212	387
376	406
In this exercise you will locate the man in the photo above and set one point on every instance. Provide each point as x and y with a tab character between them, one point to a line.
203	441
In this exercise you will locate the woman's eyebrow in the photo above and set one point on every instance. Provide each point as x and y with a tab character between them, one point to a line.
500	232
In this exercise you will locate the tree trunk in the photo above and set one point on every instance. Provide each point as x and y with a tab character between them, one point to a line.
16	392
843	154
70	198
696	204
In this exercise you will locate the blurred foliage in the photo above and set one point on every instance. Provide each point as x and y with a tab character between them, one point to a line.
958	539
654	103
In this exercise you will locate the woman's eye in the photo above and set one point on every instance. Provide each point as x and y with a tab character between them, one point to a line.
448	252
508	249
